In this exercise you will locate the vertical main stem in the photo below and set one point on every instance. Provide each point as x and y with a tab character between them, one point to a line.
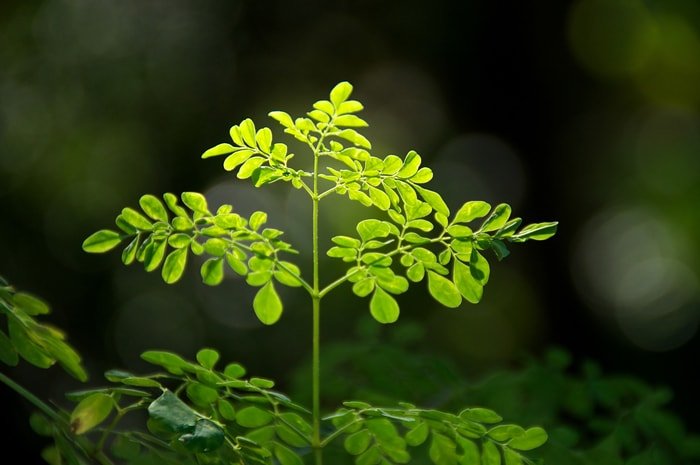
316	299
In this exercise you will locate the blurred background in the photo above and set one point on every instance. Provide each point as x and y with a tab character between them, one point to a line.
584	112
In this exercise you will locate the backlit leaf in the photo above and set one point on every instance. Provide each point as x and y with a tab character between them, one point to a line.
443	290
267	304
370	229
212	271
340	93
497	219
153	207
220	149
383	307
532	439
195	201
471	289
102	241
174	265
471	211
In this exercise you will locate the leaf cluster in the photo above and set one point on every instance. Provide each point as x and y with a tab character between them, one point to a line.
23	335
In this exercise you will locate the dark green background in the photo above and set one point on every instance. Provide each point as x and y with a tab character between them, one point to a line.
582	113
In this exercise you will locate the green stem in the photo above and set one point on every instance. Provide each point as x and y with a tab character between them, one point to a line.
38	403
316	301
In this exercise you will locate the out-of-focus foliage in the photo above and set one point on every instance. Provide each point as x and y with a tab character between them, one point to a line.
592	417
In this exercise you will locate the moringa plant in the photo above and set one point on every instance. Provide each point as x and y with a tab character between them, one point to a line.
198	413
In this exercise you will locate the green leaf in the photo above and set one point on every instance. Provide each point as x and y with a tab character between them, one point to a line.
497	219
216	247
479	267
357	442
416	272
283	118
286	456
206	437
234	370
383	307
345	241
267	304
361	197
171	202
480	415
434	200
262	383
422	176
174	265
471	289
532	439
442	450
129	252
537	231
340	93
457	230
168	360
102	241
226	409
500	249
263	138
355	137
392	165
443	290
471	454
195	201
471	211
153	207
30	304
207	357
363	287
26	347
350	121
253	417
248	132
232	161
136	219
288	278
410	165
220	149
417	435
236	265
379	198
257	219
370	229
172	413
212	271
490	454
154	255
8	354
90	412
179	240
512	457
201	395
393	284
371	456
350	106
504	433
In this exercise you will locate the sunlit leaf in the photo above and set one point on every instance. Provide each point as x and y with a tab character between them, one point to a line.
102	241
471	289
153	207
174	265
267	304
471	211
220	149
383	307
212	271
443	290
340	93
